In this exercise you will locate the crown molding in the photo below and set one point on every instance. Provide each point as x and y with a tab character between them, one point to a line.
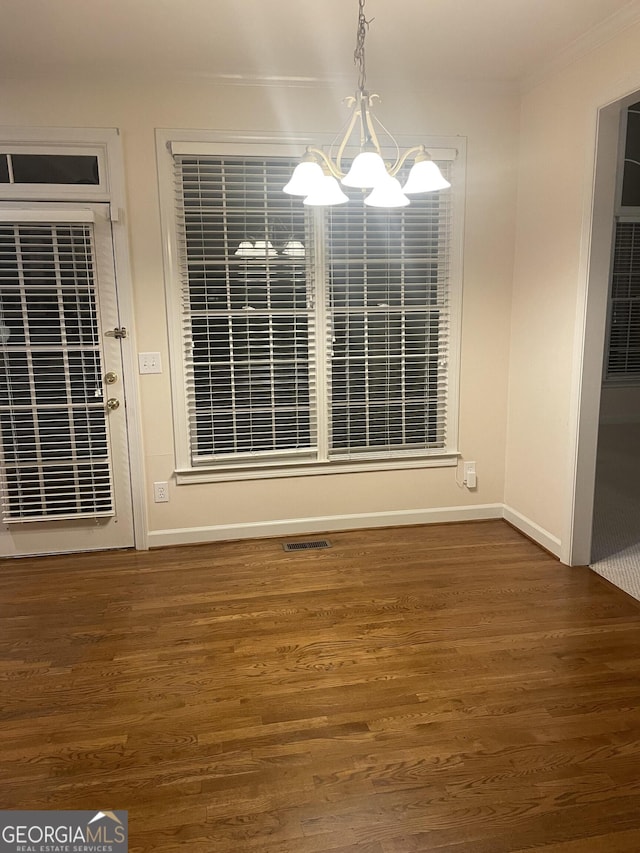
586	43
270	81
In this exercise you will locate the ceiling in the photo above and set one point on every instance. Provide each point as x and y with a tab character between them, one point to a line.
302	40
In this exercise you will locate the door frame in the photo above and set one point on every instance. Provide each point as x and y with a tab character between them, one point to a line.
107	144
591	326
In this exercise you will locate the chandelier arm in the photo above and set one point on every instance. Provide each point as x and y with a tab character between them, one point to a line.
347	126
376	120
326	160
337	169
417	149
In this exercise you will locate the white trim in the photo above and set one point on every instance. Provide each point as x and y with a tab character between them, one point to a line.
170	141
456	286
590	330
55	140
192	141
124	286
287	147
173	296
321	524
209	475
336	80
589	41
525	525
42	214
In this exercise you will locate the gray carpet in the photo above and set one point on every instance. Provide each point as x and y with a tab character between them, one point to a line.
616	523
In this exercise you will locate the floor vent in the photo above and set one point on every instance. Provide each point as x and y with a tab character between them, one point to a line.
306	546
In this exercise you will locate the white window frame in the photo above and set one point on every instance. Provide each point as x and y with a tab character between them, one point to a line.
174	141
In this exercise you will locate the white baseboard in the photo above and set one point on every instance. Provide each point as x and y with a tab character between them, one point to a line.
321	524
532	530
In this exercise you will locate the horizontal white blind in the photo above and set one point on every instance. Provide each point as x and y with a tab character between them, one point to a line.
53	428
248	309
388	321
623	360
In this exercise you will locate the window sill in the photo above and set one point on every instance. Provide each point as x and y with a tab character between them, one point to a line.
184	476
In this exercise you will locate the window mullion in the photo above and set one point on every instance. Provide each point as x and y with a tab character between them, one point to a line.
323	331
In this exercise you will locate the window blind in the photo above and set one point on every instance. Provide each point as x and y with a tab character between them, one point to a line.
248	310
623	360
388	274
53	428
310	335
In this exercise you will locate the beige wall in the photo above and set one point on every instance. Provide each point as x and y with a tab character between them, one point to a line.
556	163
487	117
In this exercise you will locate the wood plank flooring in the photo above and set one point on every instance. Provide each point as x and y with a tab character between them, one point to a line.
442	688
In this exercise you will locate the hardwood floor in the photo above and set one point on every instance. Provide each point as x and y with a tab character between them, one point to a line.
442	688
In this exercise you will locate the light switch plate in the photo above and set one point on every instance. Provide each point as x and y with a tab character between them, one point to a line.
149	362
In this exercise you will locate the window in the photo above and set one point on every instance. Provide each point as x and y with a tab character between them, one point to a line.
623	359
53	169
312	338
631	162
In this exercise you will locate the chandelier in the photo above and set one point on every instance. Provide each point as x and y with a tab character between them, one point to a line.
316	176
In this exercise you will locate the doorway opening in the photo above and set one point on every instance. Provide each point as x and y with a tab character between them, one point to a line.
615	550
609	401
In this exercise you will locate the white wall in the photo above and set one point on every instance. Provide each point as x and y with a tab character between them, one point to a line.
555	195
488	117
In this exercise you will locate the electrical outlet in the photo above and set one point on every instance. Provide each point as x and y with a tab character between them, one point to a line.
469	475
149	362
161	493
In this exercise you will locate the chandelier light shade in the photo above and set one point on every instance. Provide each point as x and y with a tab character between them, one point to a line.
307	176
387	193
327	193
367	171
316	176
424	177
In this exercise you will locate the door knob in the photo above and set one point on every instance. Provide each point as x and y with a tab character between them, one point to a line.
110	377
112	404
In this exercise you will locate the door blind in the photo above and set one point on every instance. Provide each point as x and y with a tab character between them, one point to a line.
388	321
623	360
248	310
53	428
